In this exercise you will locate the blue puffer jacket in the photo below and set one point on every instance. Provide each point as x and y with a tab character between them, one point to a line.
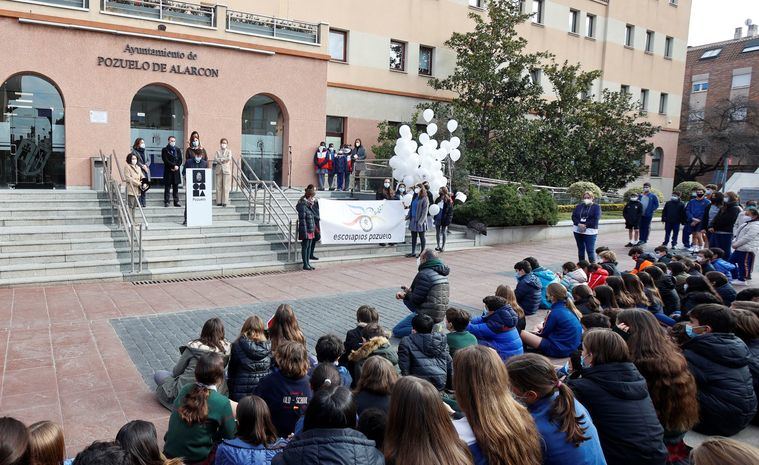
562	332
528	293
238	452
249	363
546	277
695	209
498	331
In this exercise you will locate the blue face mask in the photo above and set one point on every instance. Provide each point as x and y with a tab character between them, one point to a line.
690	331
583	363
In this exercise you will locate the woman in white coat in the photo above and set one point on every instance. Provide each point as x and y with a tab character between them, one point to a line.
223	158
745	245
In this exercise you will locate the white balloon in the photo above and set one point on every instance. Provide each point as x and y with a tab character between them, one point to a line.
424	138
423	174
405	131
446	145
408	181
455	142
394	161
436	165
455	154
452	125
428	114
431	129
397	175
434	209
432	144
407	199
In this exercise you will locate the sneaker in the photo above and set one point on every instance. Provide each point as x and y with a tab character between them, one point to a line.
166	204
739	283
664	244
629	244
642	243
692	249
410	255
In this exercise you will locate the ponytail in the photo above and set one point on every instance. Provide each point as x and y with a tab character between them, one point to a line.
564	414
194	407
570	305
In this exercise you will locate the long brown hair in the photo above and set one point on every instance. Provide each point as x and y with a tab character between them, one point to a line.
14	447
634	287
560	294
292	359
583	291
508	293
46	445
212	335
660	361
504	429
253	329
534	372
606	297
208	372
377	376
284	327
254	424
605	346
415	406
620	292
719	451
650	285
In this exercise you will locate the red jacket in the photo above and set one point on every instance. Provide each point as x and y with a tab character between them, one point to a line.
597	278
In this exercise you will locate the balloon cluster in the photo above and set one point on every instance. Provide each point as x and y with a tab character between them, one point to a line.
415	163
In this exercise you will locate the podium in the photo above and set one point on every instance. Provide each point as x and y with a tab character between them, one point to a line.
199	201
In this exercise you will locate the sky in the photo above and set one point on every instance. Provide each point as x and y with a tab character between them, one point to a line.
716	20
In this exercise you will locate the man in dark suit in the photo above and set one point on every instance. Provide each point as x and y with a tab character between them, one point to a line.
172	162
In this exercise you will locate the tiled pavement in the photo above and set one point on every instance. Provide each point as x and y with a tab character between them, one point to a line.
62	360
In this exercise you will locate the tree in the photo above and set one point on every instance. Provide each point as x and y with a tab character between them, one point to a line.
730	128
388	133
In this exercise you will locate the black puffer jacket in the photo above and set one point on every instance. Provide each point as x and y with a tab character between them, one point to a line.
726	398
249	363
330	446
306	218
616	395
430	289
668	289
426	356
726	216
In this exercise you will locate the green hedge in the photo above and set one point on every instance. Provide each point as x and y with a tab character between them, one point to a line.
685	188
508	205
605	207
577	189
638	190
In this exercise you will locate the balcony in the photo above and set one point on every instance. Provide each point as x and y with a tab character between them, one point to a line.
277	28
164	10
78	4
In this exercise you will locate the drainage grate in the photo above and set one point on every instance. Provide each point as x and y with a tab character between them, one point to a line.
209	278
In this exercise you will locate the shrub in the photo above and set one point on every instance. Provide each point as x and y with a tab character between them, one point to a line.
507	205
605	207
577	189
685	188
639	190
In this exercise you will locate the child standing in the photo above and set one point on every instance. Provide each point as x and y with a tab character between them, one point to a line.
458	337
673	215
632	214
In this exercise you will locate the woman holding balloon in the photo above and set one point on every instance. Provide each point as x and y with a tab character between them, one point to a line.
442	211
417	216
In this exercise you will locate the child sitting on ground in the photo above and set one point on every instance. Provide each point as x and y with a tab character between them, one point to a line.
720	264
365	315
561	332
662	254
572	276
375	342
598	275
329	348
424	354
705	257
609	262
642	260
458	337
496	328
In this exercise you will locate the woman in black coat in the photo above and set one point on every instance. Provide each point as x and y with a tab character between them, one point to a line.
250	360
722	226
307	226
616	395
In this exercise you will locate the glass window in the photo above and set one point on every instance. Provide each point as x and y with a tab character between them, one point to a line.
477	3
574	21
713	53
656	160
537	11
630	35
700	86
669	44
32	134
536	76
663	98
397	55
741	80
625	89
650	41
425	60
335	131
157	113
337	45
590	25
263	129
752	46
644	100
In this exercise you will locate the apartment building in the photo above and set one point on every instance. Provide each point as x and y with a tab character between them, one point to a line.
275	77
716	74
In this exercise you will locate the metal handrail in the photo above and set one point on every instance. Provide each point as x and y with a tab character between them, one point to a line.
123	181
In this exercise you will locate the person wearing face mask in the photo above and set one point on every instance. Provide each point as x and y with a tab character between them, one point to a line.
321	164
400	191
695	210
223	160
585	218
172	161
359	163
444	217
331	154
341	167
197	161
745	246
417	216
559	335
616	396
138	149
428	293
386	192
306	226
650	203
632	214
196	148
722	226
133	179
720	362
673	215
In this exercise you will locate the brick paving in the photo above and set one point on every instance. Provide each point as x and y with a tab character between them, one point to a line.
61	357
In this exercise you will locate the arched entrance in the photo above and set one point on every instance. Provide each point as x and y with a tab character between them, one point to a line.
263	129
32	134
157	113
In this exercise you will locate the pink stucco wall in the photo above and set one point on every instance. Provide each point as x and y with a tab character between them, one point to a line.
213	106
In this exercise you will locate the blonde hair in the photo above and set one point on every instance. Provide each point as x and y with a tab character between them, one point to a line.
560	294
588	193
608	255
718	451
508	293
292	359
46	444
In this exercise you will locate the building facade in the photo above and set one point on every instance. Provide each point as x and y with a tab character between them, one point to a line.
275	77
719	89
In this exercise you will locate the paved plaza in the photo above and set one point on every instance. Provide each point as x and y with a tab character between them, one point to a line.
83	355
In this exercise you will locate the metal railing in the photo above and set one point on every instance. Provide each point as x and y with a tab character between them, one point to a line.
558	193
276	208
120	212
164	10
122	181
83	4
268	26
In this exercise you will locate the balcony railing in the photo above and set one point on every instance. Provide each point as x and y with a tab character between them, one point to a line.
267	26
164	10
85	4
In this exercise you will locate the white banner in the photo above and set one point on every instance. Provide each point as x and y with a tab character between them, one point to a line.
361	221
199	197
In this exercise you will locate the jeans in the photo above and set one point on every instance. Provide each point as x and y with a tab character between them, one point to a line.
143	199
347	182
341	183
745	263
330	180
586	243
161	376
674	230
403	328
320	173
687	230
723	241
440	234
306	247
645	227
422	241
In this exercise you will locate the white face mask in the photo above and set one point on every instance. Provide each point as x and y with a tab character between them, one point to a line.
587	201
418	261
387	185
142	145
646	189
358	144
195	143
197	159
172	143
674	197
633	199
401	190
416	190
224	146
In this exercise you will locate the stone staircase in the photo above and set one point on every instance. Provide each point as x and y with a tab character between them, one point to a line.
67	236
